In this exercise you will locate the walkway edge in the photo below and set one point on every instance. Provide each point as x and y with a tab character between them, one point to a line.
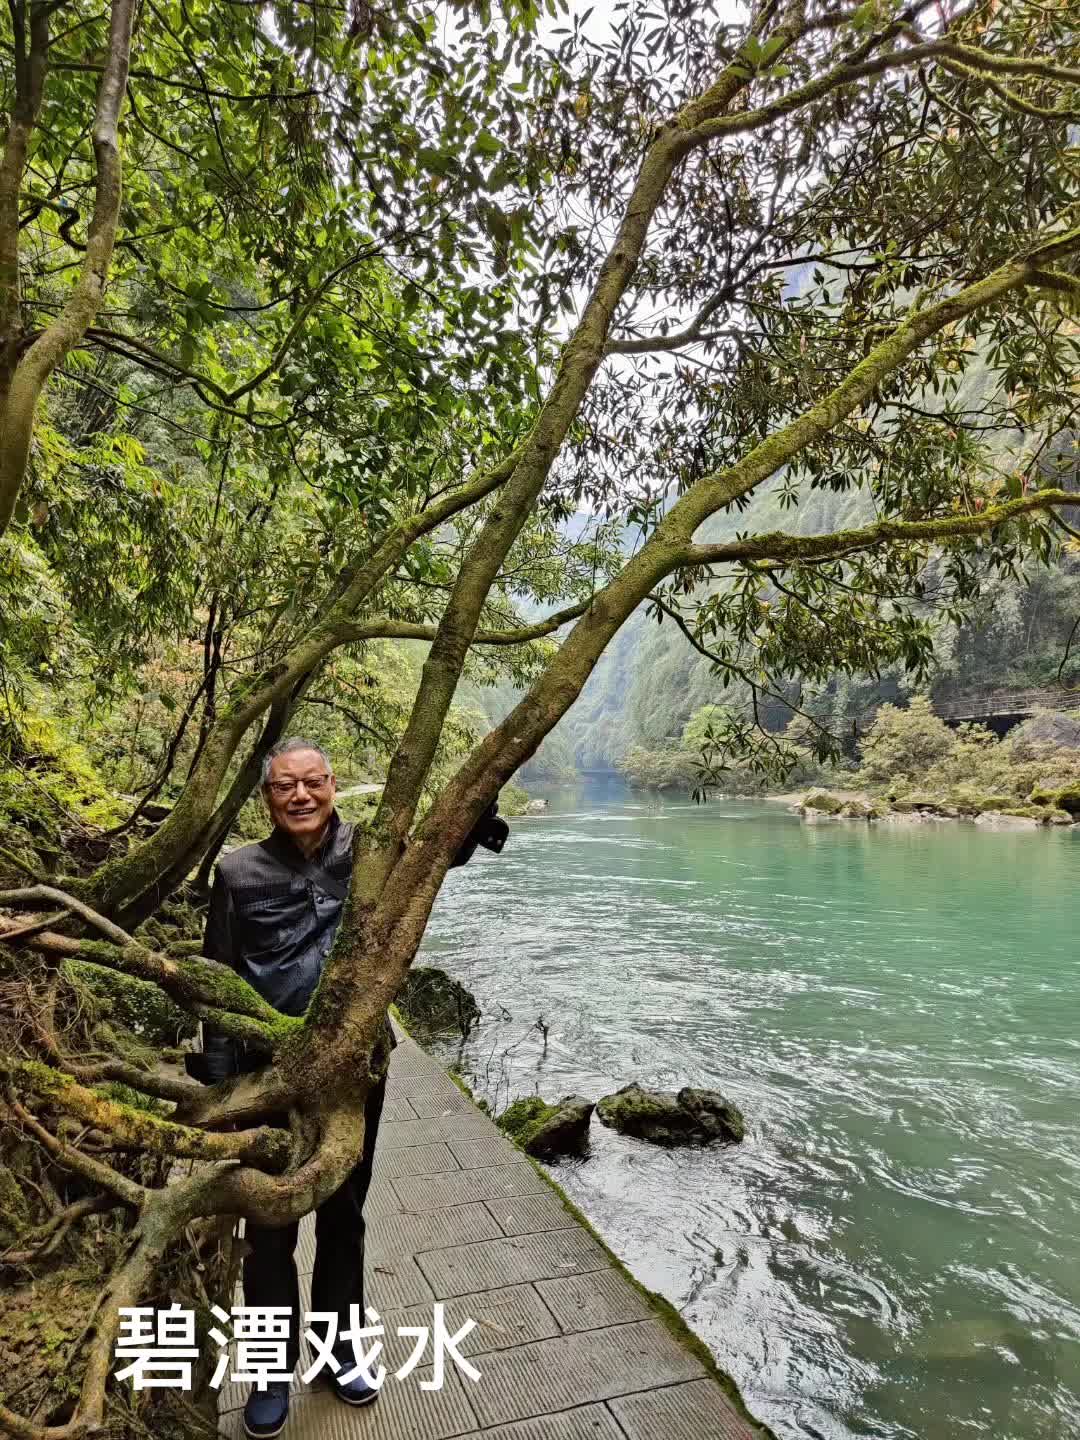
665	1311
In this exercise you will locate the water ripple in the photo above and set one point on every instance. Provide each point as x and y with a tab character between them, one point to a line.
894	1250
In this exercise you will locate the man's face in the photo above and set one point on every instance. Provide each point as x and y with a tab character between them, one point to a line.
300	793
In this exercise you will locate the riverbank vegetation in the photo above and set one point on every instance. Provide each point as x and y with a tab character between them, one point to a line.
341	351
913	764
907	751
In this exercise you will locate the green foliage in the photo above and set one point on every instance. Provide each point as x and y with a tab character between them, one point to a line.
513	800
50	791
903	744
911	751
669	768
704	724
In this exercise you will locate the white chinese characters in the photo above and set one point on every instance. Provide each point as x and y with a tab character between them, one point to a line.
162	1353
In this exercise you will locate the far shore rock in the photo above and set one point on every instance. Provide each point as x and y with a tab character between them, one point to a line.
995	820
995	812
665	1117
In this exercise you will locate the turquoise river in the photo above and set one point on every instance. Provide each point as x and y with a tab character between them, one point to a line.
894	1251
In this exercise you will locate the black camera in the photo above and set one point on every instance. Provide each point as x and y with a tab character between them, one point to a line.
491	832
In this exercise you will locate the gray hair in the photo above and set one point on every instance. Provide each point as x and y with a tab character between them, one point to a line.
285	747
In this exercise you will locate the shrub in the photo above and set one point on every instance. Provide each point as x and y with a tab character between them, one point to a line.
905	744
513	800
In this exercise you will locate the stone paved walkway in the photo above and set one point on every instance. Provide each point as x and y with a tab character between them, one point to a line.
566	1348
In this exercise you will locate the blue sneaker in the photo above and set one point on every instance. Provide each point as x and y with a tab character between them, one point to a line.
267	1410
353	1392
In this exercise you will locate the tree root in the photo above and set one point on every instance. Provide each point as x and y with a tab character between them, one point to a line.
124	1127
54	1230
48	892
165	1215
164	1087
210	990
71	1158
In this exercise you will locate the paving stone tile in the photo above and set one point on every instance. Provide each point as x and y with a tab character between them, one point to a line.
698	1410
427	1102
406	1047
410	1060
535	1379
381	1199
395	1107
413	1065
463	1125
490	1150
506	1317
432	1230
459	1187
587	1422
305	1246
402	1412
524	1214
462	1269
392	1281
414	1160
426	1082
587	1302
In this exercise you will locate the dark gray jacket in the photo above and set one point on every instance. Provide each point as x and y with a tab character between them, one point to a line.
275	928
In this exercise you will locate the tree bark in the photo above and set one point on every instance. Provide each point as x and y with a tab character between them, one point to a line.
27	380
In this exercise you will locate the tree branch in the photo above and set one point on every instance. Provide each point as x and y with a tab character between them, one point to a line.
421	868
132	1129
849	71
51	1234
386	629
211	990
96	1171
776	547
49	349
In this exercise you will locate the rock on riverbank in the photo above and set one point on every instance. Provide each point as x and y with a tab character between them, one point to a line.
669	1118
998	812
547	1130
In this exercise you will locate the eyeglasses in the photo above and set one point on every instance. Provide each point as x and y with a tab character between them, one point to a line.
315	786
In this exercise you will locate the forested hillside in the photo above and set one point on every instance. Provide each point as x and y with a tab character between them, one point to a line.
652	681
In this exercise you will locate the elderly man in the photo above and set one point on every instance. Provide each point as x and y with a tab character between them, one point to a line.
274	911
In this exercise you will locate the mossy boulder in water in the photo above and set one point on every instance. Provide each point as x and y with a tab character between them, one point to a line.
859	807
1006	820
666	1118
546	1130
432	1003
822	803
1069	799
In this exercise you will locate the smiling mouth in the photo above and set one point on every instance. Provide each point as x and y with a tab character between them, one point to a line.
299	814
